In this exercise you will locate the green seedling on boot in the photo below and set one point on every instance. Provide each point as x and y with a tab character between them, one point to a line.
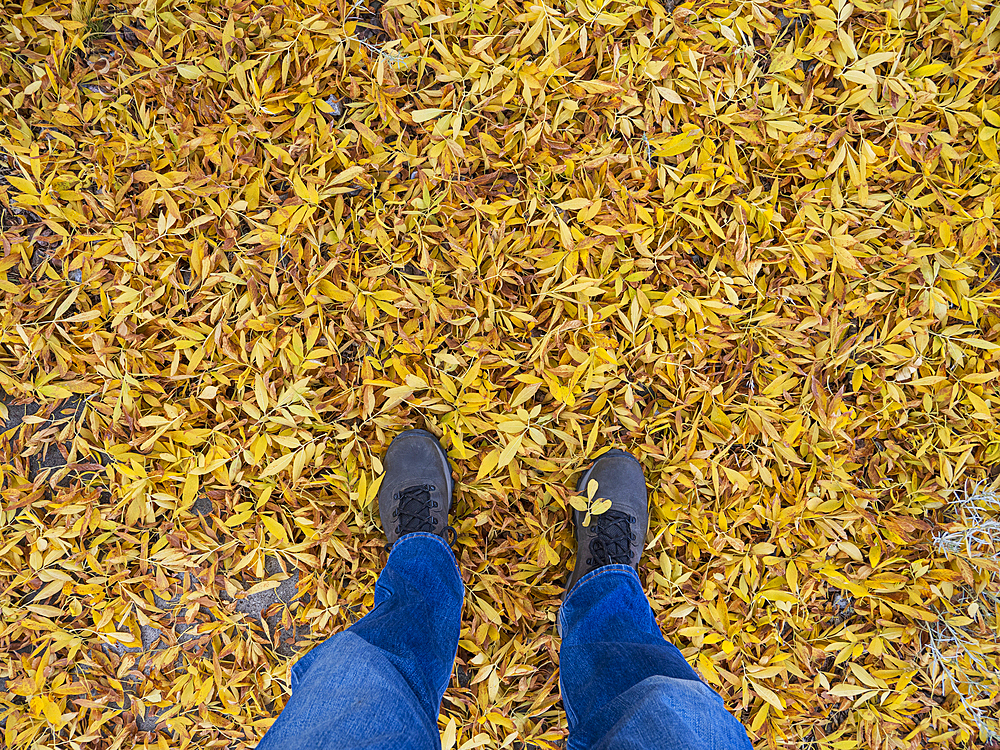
588	504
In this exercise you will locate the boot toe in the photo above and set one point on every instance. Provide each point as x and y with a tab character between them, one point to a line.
415	451
619	478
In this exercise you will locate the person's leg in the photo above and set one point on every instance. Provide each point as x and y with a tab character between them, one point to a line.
623	685
378	685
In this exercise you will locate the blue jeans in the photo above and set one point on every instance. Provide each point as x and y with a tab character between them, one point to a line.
378	685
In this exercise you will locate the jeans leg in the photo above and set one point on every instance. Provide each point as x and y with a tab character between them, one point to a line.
623	685
379	684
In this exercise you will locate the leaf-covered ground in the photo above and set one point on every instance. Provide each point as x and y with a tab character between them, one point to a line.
245	243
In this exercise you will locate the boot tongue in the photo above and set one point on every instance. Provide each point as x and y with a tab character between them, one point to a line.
611	540
414	509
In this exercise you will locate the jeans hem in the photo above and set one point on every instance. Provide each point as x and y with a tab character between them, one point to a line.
611	569
413	536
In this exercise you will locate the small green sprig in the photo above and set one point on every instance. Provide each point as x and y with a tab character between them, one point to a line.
591	504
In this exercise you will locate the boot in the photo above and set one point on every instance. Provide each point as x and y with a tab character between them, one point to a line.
619	534
416	493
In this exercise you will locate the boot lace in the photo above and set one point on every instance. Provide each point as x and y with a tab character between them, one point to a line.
611	538
413	512
413	509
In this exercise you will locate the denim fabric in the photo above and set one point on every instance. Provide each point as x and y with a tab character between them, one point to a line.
378	685
623	685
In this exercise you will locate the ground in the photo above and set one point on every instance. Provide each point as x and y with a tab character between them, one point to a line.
245	244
